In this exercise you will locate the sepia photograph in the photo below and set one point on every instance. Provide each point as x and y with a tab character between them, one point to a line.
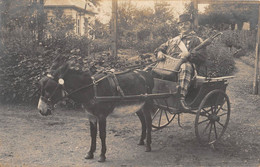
129	83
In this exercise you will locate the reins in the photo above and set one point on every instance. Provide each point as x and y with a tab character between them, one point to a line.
94	82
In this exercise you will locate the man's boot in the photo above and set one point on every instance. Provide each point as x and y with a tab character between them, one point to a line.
183	105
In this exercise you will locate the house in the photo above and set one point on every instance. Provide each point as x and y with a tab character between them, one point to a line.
82	11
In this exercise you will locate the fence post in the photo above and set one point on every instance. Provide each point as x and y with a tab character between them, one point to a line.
256	76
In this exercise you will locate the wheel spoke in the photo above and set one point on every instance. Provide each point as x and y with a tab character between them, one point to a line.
215	129
217	110
156	113
206	110
205	128
223	114
221	106
210	132
212	109
203	121
159	123
224	109
166	115
220	124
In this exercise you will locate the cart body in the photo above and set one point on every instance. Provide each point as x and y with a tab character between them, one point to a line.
207	99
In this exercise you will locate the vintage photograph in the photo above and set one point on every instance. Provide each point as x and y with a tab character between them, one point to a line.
129	83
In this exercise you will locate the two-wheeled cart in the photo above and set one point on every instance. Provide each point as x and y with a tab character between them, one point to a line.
207	99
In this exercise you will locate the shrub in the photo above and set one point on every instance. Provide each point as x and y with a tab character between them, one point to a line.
99	45
68	44
220	61
148	45
22	62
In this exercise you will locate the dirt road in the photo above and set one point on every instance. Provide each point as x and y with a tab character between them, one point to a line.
28	139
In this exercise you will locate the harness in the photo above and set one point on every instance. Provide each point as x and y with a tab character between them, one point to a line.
112	79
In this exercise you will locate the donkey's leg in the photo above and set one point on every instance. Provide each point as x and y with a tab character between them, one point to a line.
148	121
93	133
140	115
102	133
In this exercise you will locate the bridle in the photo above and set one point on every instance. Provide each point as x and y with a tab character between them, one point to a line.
60	84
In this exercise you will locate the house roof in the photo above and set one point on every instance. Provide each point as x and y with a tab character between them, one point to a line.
81	5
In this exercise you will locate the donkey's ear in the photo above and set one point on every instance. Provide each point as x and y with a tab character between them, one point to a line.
57	62
61	71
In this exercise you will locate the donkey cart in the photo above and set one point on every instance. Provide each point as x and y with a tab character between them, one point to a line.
102	93
207	100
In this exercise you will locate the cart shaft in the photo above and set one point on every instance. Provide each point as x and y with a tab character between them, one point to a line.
132	97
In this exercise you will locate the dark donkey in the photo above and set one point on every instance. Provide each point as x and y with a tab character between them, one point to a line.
83	87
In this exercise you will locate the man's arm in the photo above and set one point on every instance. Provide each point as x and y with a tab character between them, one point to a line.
161	50
197	54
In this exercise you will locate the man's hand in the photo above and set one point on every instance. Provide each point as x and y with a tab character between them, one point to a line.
161	55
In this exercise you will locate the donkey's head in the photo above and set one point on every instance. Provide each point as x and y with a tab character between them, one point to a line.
51	90
51	93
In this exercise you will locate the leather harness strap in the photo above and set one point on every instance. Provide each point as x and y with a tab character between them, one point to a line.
112	79
118	88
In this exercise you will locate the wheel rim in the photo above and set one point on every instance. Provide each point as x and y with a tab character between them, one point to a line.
161	118
212	117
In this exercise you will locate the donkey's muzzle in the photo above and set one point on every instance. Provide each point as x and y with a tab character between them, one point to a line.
43	107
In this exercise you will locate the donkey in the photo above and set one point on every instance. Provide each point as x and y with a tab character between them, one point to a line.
84	87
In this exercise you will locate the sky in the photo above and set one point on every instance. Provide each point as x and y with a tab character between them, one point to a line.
106	6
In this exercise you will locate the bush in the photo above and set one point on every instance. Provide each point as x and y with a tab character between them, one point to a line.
149	45
68	44
220	61
99	45
22	62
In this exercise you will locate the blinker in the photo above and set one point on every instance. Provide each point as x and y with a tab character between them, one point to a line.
61	81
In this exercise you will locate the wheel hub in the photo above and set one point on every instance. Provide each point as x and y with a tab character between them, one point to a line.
214	118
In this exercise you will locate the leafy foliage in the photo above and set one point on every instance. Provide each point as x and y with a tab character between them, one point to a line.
218	14
145	28
21	64
24	61
220	58
60	25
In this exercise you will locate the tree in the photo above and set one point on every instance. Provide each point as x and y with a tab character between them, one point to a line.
230	14
146	20
60	25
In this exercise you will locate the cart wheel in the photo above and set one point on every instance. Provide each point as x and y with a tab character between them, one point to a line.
212	117
161	118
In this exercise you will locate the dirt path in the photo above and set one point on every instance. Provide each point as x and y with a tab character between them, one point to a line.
28	139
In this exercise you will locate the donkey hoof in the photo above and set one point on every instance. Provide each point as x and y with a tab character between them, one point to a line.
141	143
148	149
102	158
89	156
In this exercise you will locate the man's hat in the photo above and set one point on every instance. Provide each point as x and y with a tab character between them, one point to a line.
184	17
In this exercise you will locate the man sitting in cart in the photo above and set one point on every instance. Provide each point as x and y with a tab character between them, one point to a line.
180	47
